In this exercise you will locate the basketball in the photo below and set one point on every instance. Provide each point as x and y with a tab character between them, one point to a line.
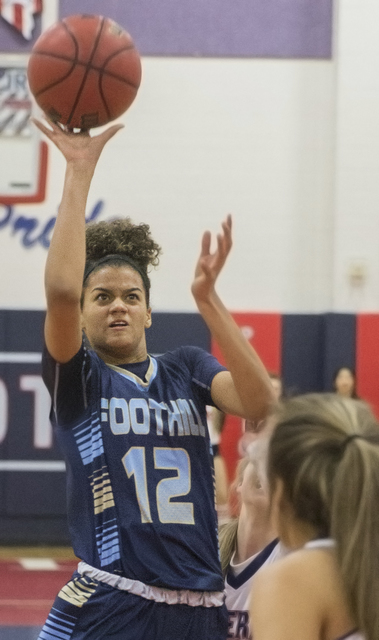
84	71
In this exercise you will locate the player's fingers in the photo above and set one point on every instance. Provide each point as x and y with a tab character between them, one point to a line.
55	126
227	234
42	127
110	132
227	226
222	248
206	243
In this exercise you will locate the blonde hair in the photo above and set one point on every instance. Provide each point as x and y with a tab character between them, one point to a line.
228	531
325	448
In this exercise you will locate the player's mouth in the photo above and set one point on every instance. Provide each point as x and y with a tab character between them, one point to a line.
118	324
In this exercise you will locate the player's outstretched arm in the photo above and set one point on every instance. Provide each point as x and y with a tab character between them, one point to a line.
66	258
246	389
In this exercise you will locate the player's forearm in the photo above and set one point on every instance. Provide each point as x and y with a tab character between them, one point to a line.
250	378
66	257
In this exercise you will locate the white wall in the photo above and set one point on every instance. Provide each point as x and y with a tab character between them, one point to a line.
289	147
205	137
357	157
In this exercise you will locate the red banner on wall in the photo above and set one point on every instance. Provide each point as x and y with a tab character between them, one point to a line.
367	359
264	332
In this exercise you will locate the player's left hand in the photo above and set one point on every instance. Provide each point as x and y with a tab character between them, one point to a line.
210	264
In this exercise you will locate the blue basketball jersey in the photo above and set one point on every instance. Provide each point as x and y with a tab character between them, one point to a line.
139	465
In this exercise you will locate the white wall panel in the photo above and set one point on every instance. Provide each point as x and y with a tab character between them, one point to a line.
357	157
205	137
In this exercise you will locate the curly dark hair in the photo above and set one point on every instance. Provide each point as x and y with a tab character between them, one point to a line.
122	237
121	242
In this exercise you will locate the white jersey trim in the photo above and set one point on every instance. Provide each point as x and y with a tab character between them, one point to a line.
158	594
150	374
321	543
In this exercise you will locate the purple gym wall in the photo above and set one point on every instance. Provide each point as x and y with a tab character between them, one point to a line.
252	28
244	28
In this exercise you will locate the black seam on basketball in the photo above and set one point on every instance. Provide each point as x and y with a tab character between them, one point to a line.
100	87
58	56
106	72
73	38
54	84
114	75
74	62
86	73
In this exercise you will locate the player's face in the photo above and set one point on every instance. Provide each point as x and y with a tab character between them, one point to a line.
115	315
251	490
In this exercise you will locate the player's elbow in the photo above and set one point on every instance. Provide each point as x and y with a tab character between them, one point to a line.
60	293
264	401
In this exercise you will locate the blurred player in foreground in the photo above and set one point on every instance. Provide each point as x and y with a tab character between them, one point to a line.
323	471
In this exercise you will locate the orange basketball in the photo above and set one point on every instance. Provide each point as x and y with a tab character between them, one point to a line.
84	71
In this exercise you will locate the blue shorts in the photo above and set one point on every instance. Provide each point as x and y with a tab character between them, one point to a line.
86	609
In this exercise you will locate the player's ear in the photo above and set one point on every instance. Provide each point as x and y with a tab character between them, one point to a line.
148	320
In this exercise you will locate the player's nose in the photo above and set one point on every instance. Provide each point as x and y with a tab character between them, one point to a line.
118	304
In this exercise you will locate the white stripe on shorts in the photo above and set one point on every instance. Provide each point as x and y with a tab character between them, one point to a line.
169	596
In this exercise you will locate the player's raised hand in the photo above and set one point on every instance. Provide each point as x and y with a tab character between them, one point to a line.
210	264
77	147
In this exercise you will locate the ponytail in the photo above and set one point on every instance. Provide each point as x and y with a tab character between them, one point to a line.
355	528
228	543
228	531
325	449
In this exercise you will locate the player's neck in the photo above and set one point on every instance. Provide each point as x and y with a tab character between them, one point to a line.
125	357
295	533
253	534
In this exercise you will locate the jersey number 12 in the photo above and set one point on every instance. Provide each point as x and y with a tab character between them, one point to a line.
178	460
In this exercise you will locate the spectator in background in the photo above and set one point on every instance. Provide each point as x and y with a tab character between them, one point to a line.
344	382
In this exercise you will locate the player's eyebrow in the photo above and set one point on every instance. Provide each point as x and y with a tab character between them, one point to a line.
105	290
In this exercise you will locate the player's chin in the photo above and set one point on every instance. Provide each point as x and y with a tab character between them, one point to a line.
120	343
118	339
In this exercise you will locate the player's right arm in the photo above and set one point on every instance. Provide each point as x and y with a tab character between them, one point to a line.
66	258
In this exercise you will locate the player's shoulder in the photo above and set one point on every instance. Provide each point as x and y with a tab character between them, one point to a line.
296	560
299	573
184	354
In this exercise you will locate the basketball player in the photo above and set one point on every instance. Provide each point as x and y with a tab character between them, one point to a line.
133	427
323	469
247	543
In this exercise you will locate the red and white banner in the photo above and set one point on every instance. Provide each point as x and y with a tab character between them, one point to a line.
20	14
